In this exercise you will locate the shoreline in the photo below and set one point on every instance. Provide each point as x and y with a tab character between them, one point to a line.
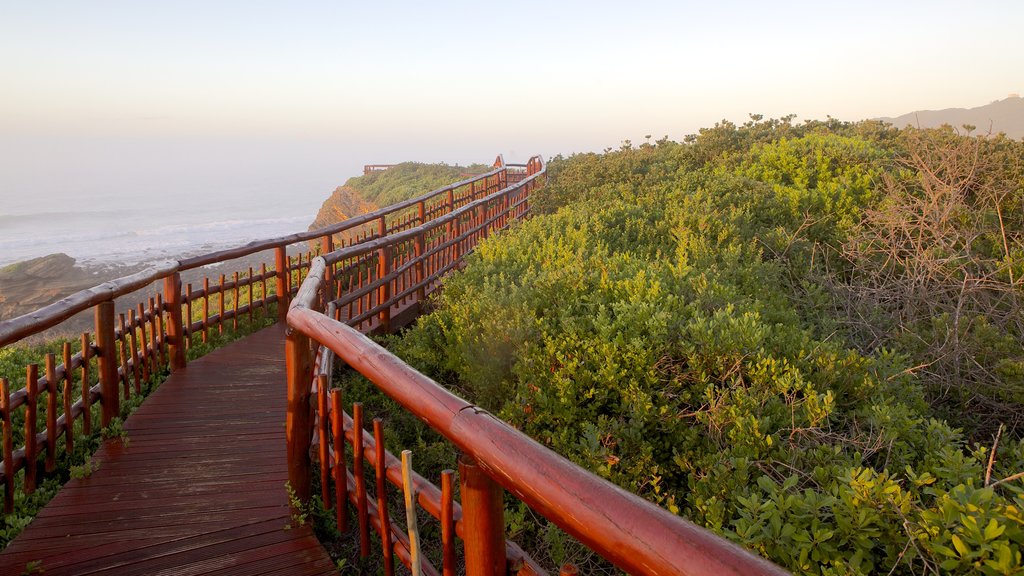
29	285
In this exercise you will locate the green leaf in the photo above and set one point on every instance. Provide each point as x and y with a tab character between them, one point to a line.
960	546
993	530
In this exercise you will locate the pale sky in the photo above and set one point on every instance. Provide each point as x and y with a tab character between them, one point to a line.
168	91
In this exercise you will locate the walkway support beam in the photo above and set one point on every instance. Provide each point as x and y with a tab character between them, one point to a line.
299	371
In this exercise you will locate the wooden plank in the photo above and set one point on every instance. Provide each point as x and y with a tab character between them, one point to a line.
199	489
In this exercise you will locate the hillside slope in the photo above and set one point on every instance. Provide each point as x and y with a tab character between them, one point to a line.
365	193
1001	116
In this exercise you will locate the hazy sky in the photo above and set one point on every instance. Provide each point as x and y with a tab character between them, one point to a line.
192	93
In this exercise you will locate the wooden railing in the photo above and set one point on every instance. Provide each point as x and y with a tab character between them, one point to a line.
394	274
126	350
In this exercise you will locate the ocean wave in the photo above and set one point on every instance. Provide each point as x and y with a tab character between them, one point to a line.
110	241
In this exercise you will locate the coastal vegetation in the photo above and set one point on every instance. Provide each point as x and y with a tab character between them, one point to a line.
805	337
361	194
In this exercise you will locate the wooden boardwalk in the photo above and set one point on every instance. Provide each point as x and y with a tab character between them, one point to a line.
200	488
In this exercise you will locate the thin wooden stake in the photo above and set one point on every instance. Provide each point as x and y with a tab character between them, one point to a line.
206	309
188	314
124	357
234	294
448	522
31	383
340	474
324	446
357	471
86	394
51	413
220	306
410	513
144	357
69	422
380	469
5	396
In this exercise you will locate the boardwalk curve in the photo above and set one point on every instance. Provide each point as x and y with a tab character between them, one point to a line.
200	488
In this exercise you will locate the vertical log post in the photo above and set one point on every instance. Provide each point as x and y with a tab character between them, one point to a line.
86	386
482	217
107	362
383	269
324	446
326	247
281	269
175	323
447	523
421	249
340	472
410	514
51	413
31	410
69	421
5	397
456	236
362	510
380	475
299	370
483	517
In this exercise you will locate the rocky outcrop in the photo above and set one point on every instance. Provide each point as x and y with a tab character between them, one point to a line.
34	283
344	203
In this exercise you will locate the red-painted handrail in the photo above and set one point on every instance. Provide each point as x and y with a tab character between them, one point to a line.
632	533
128	348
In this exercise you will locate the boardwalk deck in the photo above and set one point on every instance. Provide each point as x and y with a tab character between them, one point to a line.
200	488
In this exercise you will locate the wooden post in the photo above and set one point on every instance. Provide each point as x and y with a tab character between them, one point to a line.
483	517
281	269
456	236
326	247
31	410
188	315
299	370
421	214
51	413
362	510
384	291
86	395
380	475
482	222
411	523
175	323
69	427
410	514
5	397
324	446
340	472
447	523
107	362
421	249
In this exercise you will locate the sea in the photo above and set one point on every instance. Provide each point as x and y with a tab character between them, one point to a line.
126	225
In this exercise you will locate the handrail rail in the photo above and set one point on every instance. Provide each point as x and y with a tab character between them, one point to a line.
51	315
14	329
360	220
627	530
375	244
124	350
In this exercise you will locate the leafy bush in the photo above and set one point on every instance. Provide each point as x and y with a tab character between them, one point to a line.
670	321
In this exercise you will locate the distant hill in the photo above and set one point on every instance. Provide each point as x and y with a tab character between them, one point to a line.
1002	116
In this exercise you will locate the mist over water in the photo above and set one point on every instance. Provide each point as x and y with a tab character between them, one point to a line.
126	202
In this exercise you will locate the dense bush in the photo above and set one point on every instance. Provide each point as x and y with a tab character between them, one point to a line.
680	319
408	180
